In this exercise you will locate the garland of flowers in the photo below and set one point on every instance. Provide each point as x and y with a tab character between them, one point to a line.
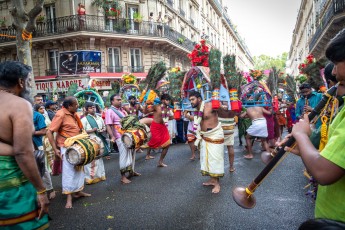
197	120
199	55
132	112
129	79
165	115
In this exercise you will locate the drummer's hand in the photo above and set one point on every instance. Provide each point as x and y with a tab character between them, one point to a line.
94	129
57	153
43	203
113	139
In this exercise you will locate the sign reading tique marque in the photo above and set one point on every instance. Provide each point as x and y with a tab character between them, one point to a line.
79	62
59	85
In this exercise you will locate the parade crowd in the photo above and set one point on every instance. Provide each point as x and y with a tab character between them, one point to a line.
55	130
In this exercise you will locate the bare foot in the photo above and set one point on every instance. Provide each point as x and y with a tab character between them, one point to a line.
69	201
124	180
81	194
209	182
140	151
52	195
248	156
161	165
107	157
192	158
216	188
232	169
149	157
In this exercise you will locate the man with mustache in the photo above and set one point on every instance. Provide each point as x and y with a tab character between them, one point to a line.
20	183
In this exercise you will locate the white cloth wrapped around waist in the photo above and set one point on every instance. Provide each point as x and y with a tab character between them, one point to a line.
258	128
212	152
228	125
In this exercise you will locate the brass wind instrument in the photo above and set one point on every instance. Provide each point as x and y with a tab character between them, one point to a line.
244	197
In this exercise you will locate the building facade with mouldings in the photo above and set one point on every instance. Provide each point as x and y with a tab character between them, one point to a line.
318	21
126	42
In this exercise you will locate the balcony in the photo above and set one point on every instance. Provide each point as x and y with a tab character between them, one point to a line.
183	14
136	69
331	23
101	24
114	69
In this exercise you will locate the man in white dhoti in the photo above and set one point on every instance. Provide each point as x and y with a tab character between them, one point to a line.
257	129
66	124
94	126
210	136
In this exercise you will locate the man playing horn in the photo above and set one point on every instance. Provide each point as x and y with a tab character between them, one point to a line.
210	135
159	127
66	124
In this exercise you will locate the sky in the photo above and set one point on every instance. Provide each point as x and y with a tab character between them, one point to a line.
265	25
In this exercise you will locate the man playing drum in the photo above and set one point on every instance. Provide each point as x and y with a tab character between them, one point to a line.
159	127
210	135
112	119
94	126
66	123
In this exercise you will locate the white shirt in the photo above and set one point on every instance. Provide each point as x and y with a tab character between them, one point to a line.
99	121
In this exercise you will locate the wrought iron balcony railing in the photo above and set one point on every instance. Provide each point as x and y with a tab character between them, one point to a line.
114	69
337	7
101	24
136	69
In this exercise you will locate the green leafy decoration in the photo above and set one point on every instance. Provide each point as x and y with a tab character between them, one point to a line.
176	80
291	87
72	89
231	73
214	64
155	74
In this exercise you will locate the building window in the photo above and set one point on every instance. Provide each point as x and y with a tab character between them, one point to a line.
114	65
51	18
136	61
53	62
131	11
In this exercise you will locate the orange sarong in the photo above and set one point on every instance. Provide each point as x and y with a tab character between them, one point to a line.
160	136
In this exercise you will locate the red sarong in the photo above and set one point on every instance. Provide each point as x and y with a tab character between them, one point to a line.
160	136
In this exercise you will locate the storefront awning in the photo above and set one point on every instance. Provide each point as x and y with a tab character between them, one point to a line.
115	75
44	78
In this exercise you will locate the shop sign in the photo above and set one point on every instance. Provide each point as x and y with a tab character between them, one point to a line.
79	62
60	85
101	84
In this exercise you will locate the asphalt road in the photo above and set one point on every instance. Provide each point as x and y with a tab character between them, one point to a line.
174	198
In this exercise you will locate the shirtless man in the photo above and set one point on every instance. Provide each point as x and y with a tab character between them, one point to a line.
257	129
159	128
21	185
133	108
210	135
226	117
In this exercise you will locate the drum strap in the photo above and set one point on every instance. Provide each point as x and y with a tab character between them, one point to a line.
93	124
118	113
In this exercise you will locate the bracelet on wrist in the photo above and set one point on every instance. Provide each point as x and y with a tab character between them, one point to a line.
42	192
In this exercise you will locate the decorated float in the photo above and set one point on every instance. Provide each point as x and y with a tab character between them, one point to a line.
129	88
255	92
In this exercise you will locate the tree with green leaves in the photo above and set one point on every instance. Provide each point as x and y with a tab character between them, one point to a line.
267	62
